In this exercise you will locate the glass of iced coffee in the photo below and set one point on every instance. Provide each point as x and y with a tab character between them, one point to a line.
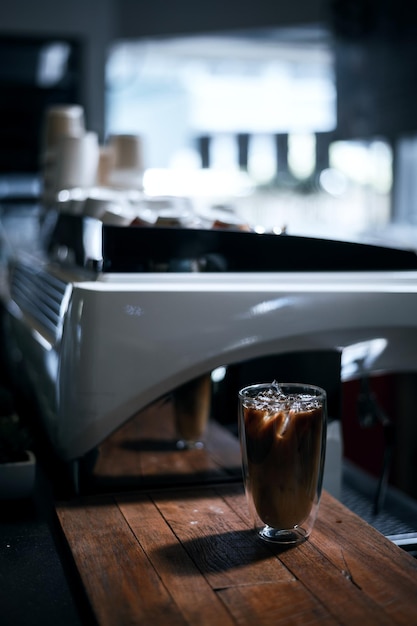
282	429
192	403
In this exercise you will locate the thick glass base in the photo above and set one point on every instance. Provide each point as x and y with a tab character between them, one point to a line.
288	537
184	444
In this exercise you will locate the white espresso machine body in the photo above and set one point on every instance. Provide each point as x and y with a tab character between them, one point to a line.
121	341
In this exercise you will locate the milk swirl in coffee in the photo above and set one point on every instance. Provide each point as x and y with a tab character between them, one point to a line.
283	436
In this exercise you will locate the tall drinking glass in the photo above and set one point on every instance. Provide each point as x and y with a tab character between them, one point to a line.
192	412
282	429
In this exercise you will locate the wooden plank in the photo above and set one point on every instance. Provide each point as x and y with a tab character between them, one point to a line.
284	604
321	565
343	599
234	495
388	574
142	453
223	549
191	592
190	556
121	584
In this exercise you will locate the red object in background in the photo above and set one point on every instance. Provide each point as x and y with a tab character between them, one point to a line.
364	446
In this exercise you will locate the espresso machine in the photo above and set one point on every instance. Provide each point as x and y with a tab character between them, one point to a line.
111	318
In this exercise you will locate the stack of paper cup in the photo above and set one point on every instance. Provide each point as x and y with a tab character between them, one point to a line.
61	120
76	159
105	166
128	162
70	153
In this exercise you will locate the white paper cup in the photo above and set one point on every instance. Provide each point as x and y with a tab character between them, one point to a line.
105	166
60	120
76	161
128	151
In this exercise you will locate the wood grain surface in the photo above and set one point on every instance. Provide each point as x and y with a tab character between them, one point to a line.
189	556
143	453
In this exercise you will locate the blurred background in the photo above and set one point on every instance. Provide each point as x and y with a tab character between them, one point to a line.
298	115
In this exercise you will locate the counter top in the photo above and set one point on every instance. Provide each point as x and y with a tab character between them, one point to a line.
189	556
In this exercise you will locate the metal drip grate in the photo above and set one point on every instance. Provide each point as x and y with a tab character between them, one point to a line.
397	518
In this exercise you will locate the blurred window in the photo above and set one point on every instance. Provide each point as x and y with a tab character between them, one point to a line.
276	89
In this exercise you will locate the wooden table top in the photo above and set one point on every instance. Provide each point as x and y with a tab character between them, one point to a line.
143	454
188	556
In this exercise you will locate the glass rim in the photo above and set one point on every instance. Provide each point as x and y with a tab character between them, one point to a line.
317	392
